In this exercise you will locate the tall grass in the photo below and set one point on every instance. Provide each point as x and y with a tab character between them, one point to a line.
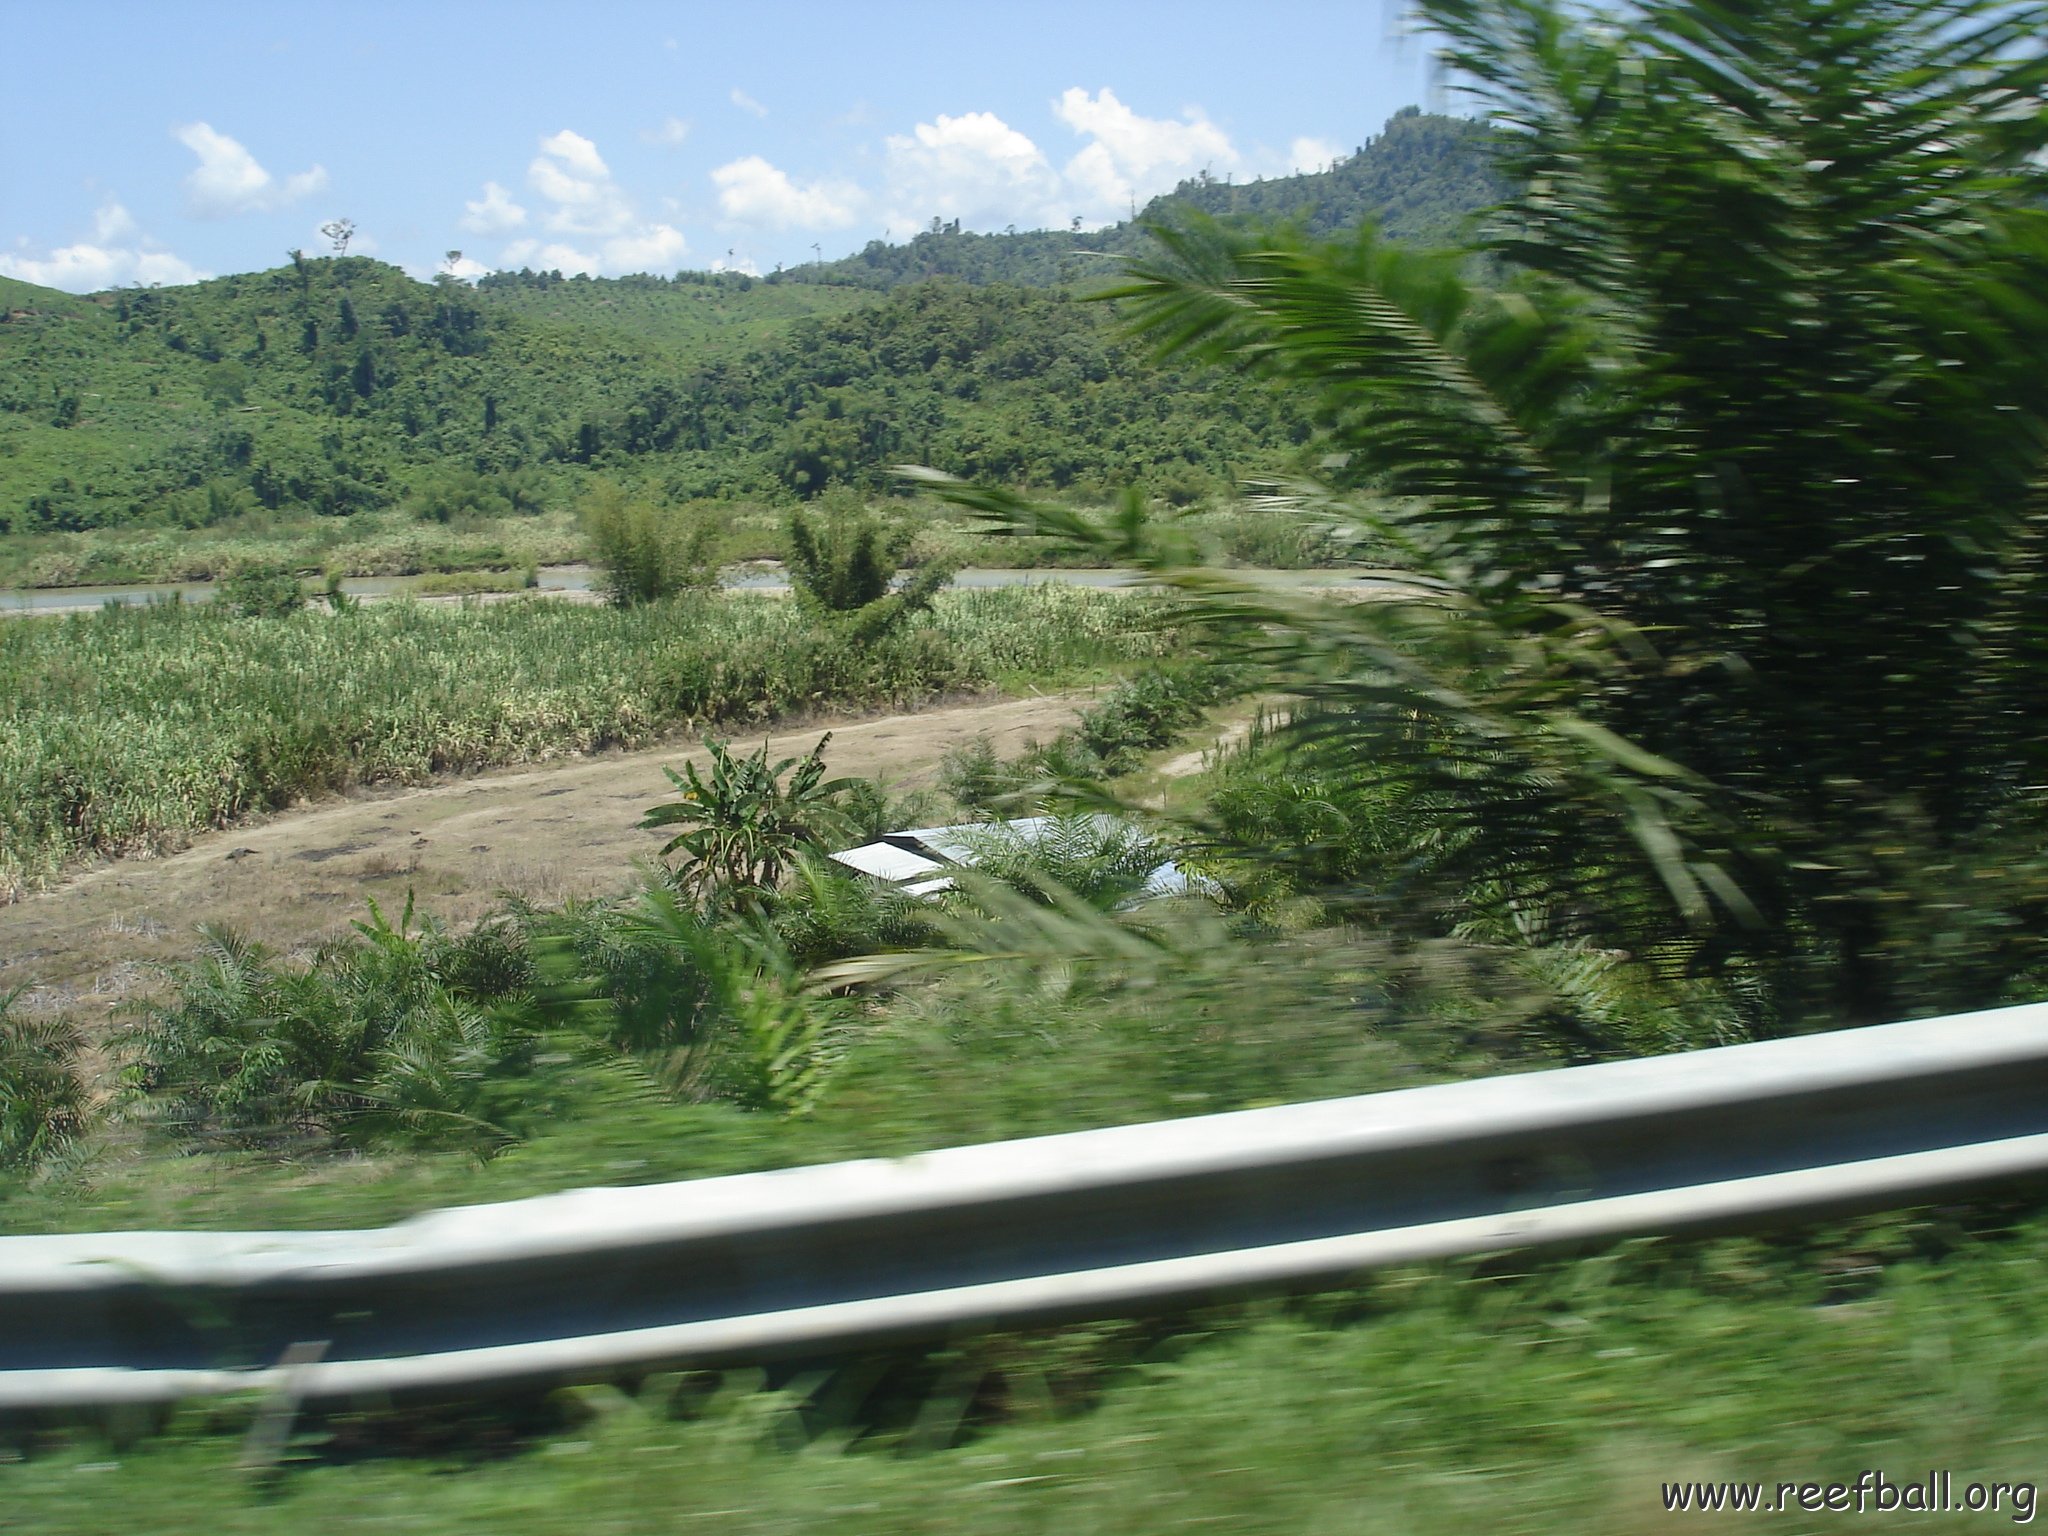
123	731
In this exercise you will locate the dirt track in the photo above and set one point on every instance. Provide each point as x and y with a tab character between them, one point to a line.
547	832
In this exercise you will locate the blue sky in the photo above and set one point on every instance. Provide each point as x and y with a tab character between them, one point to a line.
160	142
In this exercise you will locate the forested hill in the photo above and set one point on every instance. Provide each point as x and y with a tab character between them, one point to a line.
1422	179
339	385
342	385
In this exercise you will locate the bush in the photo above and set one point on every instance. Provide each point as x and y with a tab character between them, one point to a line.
43	1099
1103	861
978	779
646	550
845	561
714	1010
389	1038
259	591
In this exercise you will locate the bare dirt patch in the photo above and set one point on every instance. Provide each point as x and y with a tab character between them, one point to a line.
545	833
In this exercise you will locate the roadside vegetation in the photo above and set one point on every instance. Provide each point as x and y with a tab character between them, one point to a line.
1695	707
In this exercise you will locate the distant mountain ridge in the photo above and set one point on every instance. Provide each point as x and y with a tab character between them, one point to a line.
1422	179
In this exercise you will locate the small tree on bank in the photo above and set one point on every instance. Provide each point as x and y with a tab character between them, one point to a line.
645	550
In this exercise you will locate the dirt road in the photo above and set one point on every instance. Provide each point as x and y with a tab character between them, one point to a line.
546	832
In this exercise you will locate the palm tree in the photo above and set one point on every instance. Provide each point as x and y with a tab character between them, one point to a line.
44	1102
1714	517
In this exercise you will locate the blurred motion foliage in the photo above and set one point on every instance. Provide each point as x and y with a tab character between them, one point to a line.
391	1038
1714	531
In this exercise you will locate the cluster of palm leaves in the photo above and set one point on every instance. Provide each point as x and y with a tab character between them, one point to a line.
1706	501
44	1102
400	1036
743	823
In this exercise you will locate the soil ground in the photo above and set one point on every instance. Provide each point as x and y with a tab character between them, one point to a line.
546	832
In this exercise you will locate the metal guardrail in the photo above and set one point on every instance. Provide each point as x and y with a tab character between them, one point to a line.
810	1260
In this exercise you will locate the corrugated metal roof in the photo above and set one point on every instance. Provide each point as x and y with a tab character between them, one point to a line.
887	861
916	857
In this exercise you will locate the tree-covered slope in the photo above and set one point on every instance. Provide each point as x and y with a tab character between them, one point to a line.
1421	180
333	386
342	385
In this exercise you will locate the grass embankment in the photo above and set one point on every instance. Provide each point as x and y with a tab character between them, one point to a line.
121	732
368	544
397	543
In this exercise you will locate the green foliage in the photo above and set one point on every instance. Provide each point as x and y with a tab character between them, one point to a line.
714	1009
341	386
826	912
743	824
844	559
447	494
257	591
1149	711
44	1102
1717	558
393	1038
646	550
973	775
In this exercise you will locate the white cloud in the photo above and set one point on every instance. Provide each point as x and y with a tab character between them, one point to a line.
467	268
1312	155
494	213
673	131
654	248
578	154
548	256
747	103
752	191
974	167
599	230
571	174
228	180
1132	159
112	222
731	262
118	254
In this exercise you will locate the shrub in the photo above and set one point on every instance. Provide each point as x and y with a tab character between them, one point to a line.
715	1010
43	1098
1103	861
978	779
259	591
645	549
743	824
389	1038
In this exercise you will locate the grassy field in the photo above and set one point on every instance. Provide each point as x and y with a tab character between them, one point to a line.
121	731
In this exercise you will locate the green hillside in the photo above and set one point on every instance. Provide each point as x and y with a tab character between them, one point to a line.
1421	179
337	386
696	315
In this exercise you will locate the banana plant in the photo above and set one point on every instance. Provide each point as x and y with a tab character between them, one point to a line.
743	824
